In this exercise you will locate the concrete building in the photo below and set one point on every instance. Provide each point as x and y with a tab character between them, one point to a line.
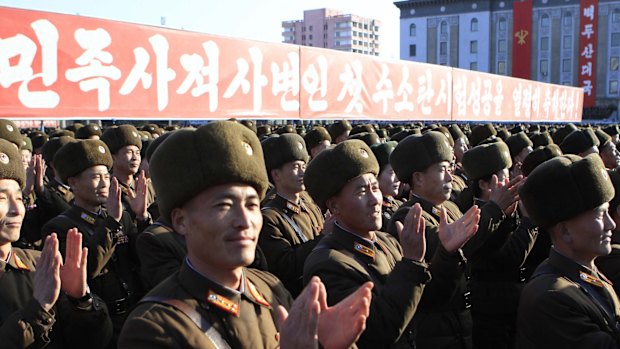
332	29
478	35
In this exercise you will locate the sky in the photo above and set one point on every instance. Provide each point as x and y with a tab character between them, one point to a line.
247	19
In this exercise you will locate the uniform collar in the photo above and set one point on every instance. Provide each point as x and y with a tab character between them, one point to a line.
359	246
576	271
17	260
289	207
88	216
218	296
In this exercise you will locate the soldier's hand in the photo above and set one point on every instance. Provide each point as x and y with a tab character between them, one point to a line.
328	224
412	234
138	198
113	202
39	170
454	235
300	325
342	324
30	177
505	195
47	276
73	270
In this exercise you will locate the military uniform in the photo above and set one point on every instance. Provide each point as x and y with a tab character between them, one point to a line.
344	261
24	323
113	265
243	319
443	319
150	199
388	208
289	233
567	305
609	264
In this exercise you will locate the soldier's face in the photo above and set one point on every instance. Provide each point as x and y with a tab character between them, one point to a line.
289	178
610	156
589	234
92	186
358	205
127	160
388	183
435	183
319	148
26	157
460	147
221	227
12	211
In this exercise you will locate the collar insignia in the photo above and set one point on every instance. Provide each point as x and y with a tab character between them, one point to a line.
364	250
223	303
18	262
89	219
256	294
291	206
590	279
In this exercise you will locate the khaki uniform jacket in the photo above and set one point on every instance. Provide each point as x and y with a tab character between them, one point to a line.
24	323
245	320
388	208
285	249
558	308
344	261
443	319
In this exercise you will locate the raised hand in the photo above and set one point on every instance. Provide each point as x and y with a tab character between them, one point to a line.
73	270
411	234
47	276
454	235
300	325
138	198
506	195
113	202
342	324
39	171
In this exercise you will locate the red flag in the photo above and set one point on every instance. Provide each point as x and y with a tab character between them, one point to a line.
588	26
522	39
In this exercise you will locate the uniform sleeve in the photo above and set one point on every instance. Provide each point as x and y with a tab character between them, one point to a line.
393	303
513	253
157	262
29	327
101	246
491	216
89	328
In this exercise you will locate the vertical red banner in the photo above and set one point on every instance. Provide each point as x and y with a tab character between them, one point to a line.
588	26
522	39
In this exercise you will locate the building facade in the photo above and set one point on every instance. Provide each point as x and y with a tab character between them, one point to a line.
478	35
332	29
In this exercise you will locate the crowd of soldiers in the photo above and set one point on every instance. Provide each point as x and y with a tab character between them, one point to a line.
333	235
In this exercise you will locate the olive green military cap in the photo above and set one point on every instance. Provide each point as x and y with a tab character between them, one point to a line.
88	131
612	130
603	138
579	141
541	139
486	159
538	156
263	130
564	187
76	156
517	142
10	132
561	133
328	173
117	137
315	136
281	150
61	133
51	147
38	138
456	132
188	162
417	153
502	134
338	128
369	138
11	163
382	152
480	133
26	144
286	129
154	144
362	128
250	124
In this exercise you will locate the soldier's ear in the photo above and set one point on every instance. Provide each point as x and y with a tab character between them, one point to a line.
332	205
178	219
566	235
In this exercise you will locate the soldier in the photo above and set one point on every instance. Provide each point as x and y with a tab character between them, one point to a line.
108	232
292	222
388	182
580	142
343	179
211	197
568	302
520	146
317	140
500	247
609	265
607	150
33	312
443	319
89	131
339	131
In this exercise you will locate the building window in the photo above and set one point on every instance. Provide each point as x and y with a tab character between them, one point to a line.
544	67
412	29
544	43
412	50
615	39
473	66
615	17
614	62
501	24
501	46
310	28
443	48
473	46
613	87
566	65
501	67
444	28
473	25
544	21
567	19
324	26
568	42
310	37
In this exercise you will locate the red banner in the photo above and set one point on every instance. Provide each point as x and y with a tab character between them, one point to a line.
588	26
522	39
56	66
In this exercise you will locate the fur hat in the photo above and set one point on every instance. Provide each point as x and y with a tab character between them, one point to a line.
316	136
38	139
154	144
26	144
603	138
564	187
76	156
369	138
87	131
121	136
417	153
579	141
338	128
486	159
10	132
382	152
517	142
188	162
480	133
538	156
561	133
11	163
334	167
541	139
612	130
281	150
51	147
